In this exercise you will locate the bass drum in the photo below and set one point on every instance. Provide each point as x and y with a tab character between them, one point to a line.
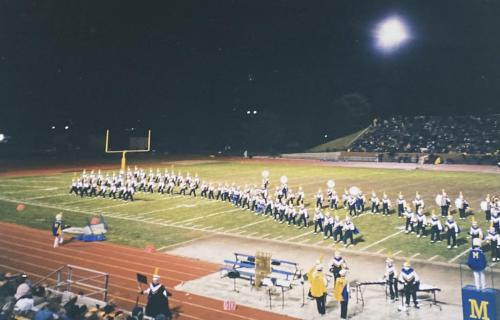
484	205
439	199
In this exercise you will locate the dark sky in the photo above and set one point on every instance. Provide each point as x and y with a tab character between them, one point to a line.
182	63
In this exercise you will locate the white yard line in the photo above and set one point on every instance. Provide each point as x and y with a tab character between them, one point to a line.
247	225
299	236
458	256
264	236
415	255
381	240
396	253
433	257
278	237
208	215
49	196
319	242
380	251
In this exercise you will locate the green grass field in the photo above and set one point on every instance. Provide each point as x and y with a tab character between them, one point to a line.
163	220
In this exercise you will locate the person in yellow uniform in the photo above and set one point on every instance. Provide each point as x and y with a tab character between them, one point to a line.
341	293
316	278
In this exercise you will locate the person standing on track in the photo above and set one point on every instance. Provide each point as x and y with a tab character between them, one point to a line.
157	299
57	230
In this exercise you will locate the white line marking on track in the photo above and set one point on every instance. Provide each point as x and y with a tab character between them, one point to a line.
415	255
379	251
433	257
396	253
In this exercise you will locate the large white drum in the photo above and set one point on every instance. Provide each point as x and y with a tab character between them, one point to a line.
439	199
330	184
265	174
283	179
484	205
354	191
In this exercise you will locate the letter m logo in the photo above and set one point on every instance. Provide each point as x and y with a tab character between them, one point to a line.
479	312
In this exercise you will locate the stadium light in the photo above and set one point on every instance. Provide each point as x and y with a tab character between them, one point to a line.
66	127
2	137
255	112
391	33
53	127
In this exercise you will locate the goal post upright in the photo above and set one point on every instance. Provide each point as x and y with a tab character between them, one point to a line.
124	152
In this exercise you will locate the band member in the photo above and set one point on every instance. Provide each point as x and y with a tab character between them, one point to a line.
421	223
341	290
494	239
486	206
360	203
451	232
345	198
418	202
401	204
192	189
462	206
477	262
318	220
386	205
303	217
436	228
349	230
351	202
57	230
333	198
337	229
319	199
408	214
410	280
337	264
328	226
300	196
73	189
157	299
445	204
475	231
318	283
375	202
391	278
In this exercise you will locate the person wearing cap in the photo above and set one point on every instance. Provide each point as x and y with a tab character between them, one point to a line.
451	232
391	278
386	204
57	230
462	205
475	231
436	228
418	202
445	203
349	230
337	229
421	223
341	293
477	262
401	205
494	239
157	298
410	280
328	226
318	283
409	218
337	264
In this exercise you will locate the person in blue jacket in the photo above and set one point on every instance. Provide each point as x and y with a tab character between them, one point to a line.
477	262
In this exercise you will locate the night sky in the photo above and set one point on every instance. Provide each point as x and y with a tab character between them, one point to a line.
193	68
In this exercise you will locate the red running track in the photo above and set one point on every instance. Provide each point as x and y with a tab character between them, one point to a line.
30	250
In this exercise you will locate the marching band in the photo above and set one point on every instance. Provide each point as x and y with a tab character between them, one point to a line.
289	207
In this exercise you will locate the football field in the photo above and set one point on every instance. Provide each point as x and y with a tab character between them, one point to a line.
164	220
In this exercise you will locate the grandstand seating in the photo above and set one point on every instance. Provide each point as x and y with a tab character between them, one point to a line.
432	134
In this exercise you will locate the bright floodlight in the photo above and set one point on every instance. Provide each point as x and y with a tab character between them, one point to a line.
391	33
2	137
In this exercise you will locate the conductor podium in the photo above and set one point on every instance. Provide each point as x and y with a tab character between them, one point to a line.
483	305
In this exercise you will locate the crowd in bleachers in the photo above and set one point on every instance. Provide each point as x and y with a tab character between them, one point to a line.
21	299
432	134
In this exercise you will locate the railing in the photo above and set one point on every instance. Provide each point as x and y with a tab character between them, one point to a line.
86	282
